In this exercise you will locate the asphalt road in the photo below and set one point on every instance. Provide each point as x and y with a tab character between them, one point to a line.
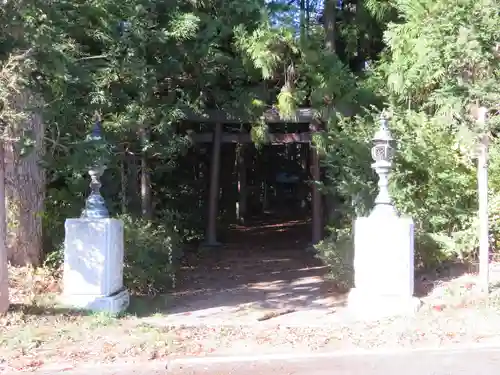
450	362
419	363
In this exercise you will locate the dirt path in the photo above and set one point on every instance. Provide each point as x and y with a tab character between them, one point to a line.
219	309
264	272
260	272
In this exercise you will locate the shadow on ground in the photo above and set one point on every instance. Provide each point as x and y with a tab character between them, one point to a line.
261	267
43	310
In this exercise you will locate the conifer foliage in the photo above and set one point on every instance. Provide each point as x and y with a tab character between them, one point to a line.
142	65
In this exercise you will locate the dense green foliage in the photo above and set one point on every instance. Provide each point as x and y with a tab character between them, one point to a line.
152	255
142	65
440	59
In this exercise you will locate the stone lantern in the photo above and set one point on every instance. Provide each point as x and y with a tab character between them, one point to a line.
383	247
94	246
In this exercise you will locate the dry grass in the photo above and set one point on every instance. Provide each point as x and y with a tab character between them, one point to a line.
36	332
27	285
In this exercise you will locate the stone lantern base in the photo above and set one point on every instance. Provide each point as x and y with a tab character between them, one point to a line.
383	268
93	265
370	306
113	305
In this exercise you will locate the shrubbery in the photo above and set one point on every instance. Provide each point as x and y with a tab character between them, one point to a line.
336	252
152	253
433	181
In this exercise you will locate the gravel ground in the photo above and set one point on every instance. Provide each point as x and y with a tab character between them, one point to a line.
34	336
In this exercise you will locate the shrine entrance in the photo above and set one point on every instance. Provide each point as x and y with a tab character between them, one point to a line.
264	191
263	212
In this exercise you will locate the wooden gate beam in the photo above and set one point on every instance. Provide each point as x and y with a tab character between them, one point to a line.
274	138
214	116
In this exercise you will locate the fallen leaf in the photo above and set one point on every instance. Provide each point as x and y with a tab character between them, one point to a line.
438	307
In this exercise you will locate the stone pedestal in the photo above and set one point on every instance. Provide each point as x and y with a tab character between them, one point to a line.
93	265
383	267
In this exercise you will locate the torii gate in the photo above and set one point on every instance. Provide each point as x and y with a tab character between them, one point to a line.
217	119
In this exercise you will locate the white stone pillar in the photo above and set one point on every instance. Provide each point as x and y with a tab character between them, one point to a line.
383	268
93	265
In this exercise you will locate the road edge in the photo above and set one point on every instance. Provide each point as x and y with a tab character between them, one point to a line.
458	348
170	363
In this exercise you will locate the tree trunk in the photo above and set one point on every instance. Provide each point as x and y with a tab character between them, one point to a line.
145	177
482	189
123	181
329	16
4	275
133	194
25	186
303	23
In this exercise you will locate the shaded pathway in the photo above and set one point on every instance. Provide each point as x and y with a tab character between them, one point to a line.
263	269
